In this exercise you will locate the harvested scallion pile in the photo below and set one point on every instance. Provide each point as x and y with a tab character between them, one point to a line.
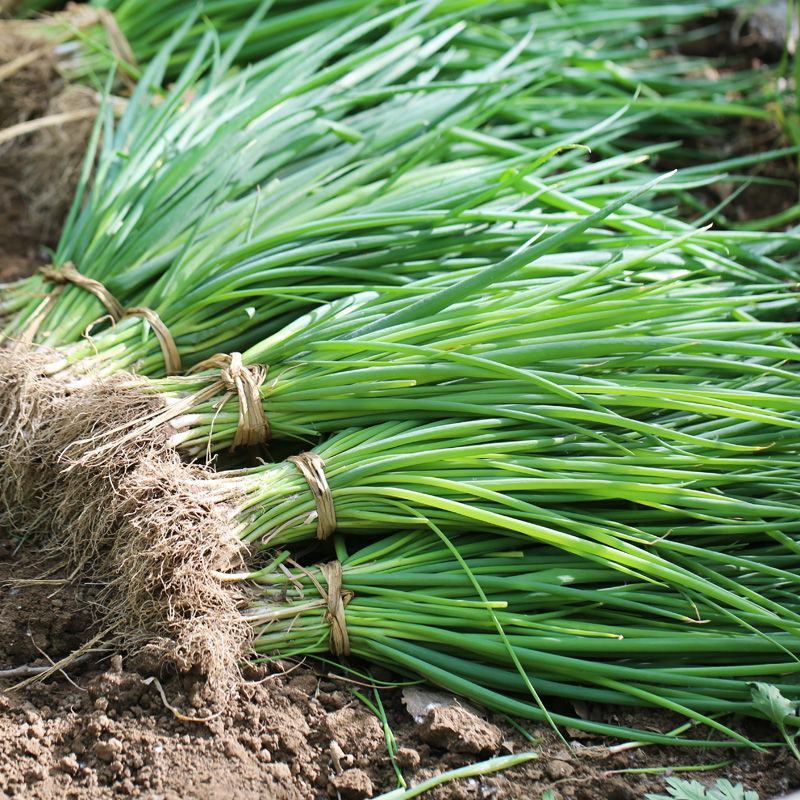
636	414
520	428
507	624
355	181
335	151
90	40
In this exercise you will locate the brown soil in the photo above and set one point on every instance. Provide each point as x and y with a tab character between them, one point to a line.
39	170
18	265
744	42
100	730
775	183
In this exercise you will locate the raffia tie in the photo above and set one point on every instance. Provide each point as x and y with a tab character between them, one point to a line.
76	16
172	358
68	274
61	277
312	468
118	42
337	601
246	382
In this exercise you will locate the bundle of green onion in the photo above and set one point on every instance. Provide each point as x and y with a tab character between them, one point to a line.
131	32
189	254
596	58
637	414
297	105
345	364
311	133
401	251
406	180
494	619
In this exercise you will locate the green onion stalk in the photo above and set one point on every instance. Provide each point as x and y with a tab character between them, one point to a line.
639	414
340	177
447	228
516	626
304	130
127	33
592	61
386	183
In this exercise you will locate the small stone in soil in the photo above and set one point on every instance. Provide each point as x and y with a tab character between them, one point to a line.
557	769
407	757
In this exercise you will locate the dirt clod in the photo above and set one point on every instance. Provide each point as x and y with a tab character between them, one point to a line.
107	750
456	729
352	784
557	769
407	757
355	730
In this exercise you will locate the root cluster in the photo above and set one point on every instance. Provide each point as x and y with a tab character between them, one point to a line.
157	534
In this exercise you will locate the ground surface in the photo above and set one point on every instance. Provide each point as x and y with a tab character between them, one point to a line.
98	730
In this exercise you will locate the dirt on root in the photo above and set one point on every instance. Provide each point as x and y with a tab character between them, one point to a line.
103	728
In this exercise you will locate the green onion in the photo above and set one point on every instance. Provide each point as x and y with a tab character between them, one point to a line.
570	628
162	201
615	31
637	414
470	771
399	258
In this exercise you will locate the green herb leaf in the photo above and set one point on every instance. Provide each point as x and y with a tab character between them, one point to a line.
772	704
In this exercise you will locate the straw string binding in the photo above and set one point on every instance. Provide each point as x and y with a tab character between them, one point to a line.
76	16
245	382
172	358
117	41
312	467
337	600
68	274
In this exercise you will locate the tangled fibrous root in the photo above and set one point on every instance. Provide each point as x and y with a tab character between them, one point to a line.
28	399
176	541
157	534
40	416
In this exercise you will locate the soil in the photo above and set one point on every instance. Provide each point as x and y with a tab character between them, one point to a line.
39	170
744	42
774	186
102	728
